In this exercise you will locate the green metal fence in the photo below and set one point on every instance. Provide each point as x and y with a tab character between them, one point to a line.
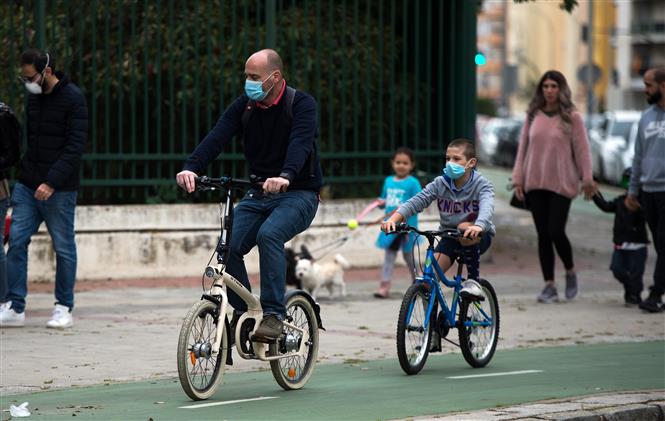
157	74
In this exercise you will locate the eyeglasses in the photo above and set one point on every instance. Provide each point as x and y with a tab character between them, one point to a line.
28	79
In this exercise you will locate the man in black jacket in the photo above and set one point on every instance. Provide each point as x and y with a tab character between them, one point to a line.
10	137
57	128
279	137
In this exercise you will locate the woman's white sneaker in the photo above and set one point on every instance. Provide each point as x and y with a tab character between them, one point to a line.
61	318
9	317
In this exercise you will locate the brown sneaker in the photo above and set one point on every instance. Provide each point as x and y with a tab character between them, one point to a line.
270	329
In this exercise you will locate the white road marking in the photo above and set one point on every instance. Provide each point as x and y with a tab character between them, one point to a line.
507	373
204	405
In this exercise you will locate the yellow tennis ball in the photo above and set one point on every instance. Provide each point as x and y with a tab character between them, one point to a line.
352	224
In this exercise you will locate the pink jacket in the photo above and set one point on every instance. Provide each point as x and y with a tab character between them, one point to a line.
553	156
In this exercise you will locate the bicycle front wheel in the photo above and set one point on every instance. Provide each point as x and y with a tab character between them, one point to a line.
199	371
479	327
413	338
293	372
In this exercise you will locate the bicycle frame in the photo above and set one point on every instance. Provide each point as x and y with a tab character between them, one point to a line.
222	280
431	271
254	311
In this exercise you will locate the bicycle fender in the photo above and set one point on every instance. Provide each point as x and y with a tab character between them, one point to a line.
315	305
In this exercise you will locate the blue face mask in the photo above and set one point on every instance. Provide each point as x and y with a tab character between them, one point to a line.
254	89
453	171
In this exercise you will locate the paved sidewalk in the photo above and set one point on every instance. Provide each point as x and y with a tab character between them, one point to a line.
127	330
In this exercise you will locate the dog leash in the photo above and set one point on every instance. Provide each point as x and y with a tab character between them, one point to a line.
330	246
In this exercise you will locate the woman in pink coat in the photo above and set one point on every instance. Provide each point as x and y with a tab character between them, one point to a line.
553	159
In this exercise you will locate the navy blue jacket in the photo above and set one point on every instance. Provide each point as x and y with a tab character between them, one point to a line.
272	145
57	127
629	226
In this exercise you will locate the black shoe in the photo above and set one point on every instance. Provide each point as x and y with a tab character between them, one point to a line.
270	329
652	304
632	300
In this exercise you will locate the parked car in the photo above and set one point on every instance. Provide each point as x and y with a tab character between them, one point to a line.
617	154
608	140
498	141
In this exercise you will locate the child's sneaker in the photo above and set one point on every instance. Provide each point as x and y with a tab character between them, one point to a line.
384	290
61	318
548	295
9	317
471	290
631	300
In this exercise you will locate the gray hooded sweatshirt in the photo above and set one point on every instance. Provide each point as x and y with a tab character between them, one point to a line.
649	160
473	202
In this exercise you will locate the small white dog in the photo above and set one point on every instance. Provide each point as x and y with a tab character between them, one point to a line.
315	276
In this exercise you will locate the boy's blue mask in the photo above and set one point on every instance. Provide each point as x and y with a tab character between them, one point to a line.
453	171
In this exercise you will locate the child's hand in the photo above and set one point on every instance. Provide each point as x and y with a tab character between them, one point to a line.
470	234
389	225
472	231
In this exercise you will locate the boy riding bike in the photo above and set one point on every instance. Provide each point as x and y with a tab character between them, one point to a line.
466	201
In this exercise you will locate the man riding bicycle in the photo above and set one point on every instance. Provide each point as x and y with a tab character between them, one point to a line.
279	127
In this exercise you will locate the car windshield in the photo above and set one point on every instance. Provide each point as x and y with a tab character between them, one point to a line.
622	128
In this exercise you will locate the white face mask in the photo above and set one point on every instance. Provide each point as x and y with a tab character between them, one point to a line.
34	87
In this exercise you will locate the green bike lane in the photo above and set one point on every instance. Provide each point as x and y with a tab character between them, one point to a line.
372	390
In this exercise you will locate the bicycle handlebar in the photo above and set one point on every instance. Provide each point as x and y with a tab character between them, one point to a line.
226	183
452	233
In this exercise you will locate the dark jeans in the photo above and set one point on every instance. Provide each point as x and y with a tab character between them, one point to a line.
550	214
470	255
628	268
4	204
653	205
58	213
268	221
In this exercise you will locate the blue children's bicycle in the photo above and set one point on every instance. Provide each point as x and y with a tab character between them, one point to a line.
477	320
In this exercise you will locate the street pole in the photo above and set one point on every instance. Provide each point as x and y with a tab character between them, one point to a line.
589	66
504	62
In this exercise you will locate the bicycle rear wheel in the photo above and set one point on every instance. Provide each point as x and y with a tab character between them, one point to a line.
477	342
293	372
413	339
199	371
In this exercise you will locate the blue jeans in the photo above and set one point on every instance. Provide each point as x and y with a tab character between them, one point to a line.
269	221
4	204
628	268
58	213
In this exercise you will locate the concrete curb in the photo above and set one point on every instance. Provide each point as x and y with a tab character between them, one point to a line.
628	406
